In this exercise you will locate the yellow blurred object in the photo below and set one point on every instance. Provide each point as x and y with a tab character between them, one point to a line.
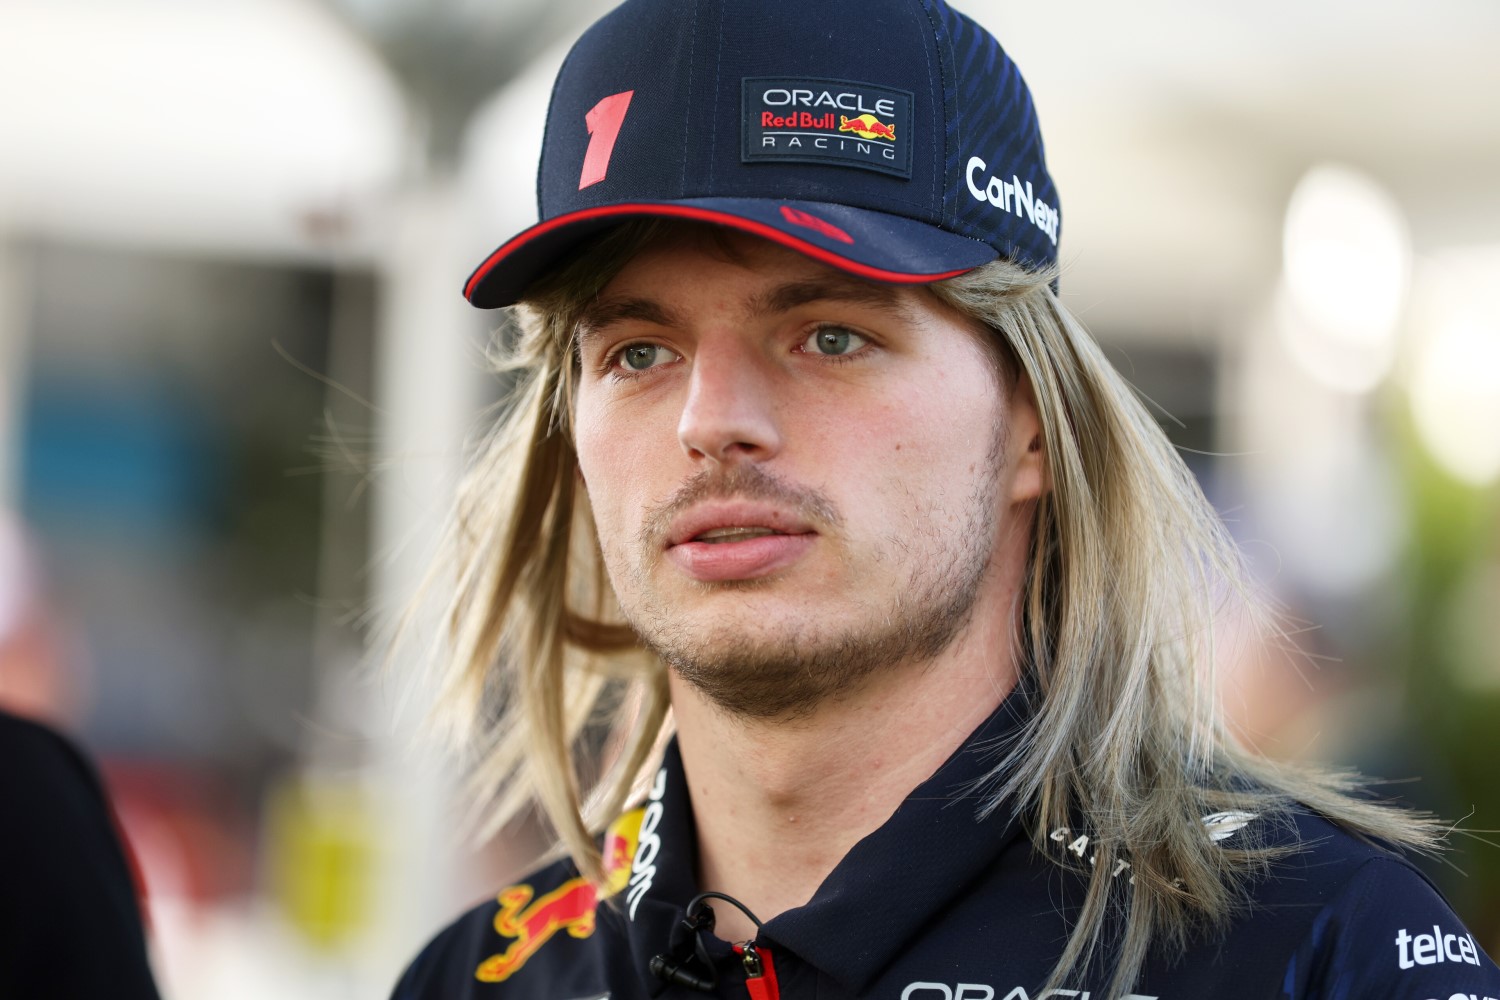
321	848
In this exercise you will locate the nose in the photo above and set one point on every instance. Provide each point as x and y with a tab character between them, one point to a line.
730	411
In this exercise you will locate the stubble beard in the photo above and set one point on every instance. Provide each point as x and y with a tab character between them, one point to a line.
786	672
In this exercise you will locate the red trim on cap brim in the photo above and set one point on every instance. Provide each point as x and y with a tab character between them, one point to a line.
703	215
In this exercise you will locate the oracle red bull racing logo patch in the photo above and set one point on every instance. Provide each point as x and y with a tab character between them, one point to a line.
833	122
531	921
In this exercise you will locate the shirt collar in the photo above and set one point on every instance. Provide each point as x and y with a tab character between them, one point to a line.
890	886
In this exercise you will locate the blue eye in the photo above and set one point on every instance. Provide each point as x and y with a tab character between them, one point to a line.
833	341
643	357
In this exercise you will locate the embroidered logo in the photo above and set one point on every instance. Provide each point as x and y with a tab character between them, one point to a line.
867	127
807	220
570	908
1223	825
833	122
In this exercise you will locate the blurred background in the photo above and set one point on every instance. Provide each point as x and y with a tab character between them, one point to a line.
236	376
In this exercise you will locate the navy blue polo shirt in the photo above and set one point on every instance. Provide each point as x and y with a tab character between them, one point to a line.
941	904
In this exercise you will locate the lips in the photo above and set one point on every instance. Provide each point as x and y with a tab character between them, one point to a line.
733	521
725	542
735	534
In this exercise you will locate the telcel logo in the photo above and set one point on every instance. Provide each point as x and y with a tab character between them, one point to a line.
1431	949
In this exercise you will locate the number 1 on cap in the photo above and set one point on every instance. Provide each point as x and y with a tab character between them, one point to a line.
603	120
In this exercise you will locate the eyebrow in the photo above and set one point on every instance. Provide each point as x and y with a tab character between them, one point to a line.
605	313
830	288
782	298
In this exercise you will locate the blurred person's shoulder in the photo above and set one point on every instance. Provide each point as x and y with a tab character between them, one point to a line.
73	886
51	784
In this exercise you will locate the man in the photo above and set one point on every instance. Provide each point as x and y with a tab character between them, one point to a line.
804	447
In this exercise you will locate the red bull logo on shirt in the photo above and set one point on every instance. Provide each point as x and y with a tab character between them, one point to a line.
570	908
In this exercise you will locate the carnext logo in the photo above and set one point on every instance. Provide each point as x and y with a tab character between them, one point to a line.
1010	196
1430	949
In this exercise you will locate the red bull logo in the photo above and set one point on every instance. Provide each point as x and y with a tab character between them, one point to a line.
868	127
620	842
570	908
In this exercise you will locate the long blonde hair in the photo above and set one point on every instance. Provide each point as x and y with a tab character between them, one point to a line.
1129	569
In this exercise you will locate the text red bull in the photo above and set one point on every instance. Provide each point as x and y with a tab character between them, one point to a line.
801	119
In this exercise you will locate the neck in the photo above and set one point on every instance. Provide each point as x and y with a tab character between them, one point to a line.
779	803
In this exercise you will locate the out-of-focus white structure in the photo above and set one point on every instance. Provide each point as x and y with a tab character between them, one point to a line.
1346	265
1454	372
247	126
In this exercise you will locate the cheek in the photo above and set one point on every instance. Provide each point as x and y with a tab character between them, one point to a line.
618	457
943	428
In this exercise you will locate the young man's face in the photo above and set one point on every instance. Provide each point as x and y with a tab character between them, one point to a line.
798	477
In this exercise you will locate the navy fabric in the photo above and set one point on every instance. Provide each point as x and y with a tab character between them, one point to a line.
939	904
70	920
950	111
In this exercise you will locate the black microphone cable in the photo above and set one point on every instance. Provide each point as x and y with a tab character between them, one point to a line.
679	968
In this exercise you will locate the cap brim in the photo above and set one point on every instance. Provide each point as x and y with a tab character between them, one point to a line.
870	244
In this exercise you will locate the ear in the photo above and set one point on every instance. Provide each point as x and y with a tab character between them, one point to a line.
1029	473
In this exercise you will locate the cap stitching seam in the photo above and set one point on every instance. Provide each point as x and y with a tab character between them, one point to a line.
927	58
713	136
688	118
938	37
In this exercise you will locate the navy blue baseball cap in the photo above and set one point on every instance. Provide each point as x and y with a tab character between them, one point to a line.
893	139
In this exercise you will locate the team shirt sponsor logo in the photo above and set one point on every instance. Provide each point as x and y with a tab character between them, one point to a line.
531	922
1413	950
1223	825
1218	826
648	845
984	991
833	122
1011	196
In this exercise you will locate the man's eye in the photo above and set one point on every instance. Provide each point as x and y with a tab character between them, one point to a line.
833	341
642	357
